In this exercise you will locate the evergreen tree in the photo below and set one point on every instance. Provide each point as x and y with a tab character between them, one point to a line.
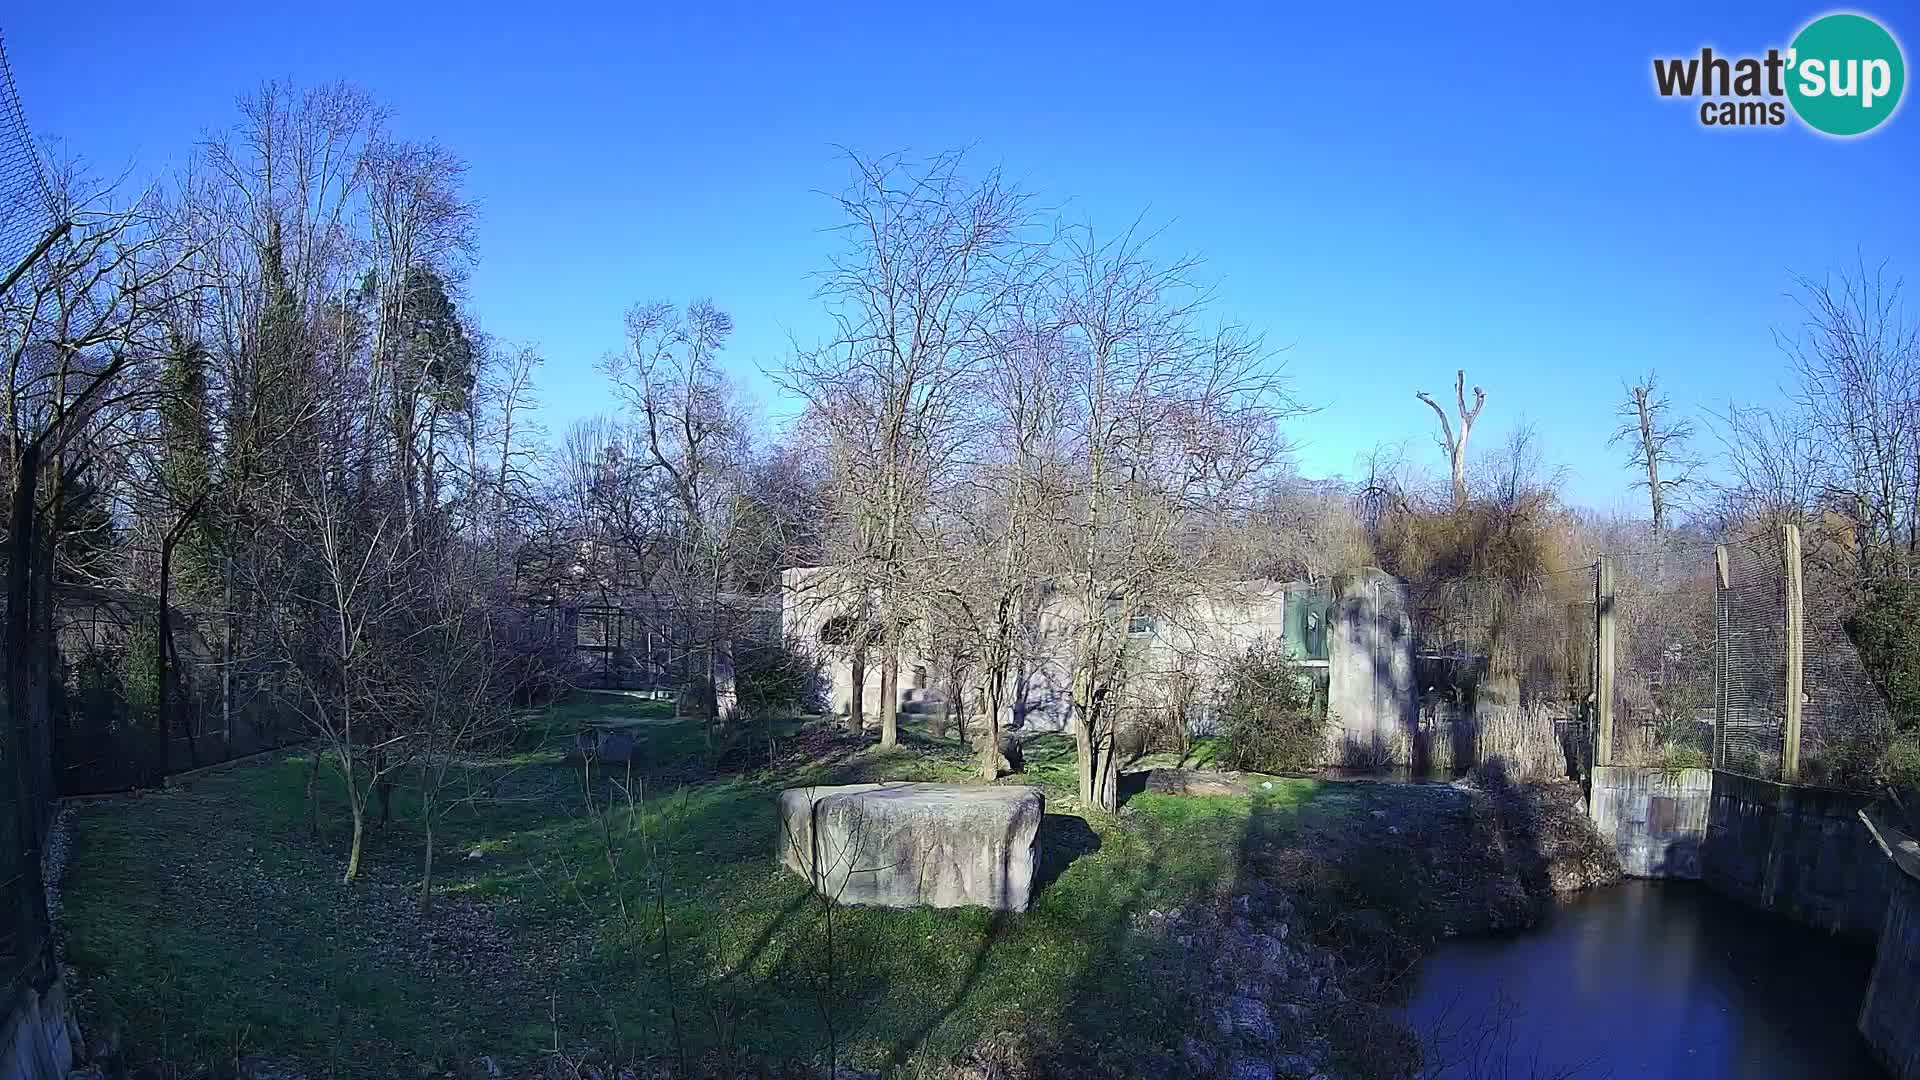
186	449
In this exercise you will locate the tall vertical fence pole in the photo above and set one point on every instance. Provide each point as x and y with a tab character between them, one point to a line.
1603	615
1720	585
1796	655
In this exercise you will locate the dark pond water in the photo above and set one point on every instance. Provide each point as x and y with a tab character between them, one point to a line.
1648	979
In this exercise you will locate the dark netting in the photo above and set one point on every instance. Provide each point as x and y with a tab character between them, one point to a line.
221	703
25	200
1753	657
1505	672
1844	725
25	956
1663	656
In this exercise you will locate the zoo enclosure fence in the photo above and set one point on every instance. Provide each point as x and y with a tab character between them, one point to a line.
27	223
106	697
1735	656
1505	672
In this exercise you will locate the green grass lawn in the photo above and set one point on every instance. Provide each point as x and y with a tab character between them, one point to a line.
206	925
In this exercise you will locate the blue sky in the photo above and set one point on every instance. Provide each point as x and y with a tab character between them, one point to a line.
1391	191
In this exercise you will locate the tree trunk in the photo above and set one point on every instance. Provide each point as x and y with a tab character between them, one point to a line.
385	787
426	862
1650	450
356	805
890	695
359	836
1082	738
1106	792
710	708
226	659
162	715
313	794
994	692
857	702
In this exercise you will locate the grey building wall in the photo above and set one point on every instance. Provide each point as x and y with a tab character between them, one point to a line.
1372	695
1656	820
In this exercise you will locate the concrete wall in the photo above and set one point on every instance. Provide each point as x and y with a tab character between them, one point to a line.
1656	820
1370	673
1799	852
1796	851
35	1040
1370	691
1890	1013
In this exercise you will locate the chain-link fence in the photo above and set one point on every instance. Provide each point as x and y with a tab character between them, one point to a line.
1663	655
106	715
1845	725
26	202
26	783
653	642
1752	656
1504	673
1793	705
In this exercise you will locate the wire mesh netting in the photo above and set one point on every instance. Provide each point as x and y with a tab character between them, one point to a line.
223	694
26	215
25	199
1505	673
1753	657
1845	725
1664	628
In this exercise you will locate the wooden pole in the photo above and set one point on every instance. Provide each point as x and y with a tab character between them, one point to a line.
1720	585
1603	662
1796	626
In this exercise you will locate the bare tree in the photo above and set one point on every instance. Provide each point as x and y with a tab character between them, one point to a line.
1658	445
1025	383
347	609
1455	445
1170	428
929	260
1303	530
693	436
1846	448
1857	358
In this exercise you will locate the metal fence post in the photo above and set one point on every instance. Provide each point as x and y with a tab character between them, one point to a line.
1796	655
1720	656
1603	615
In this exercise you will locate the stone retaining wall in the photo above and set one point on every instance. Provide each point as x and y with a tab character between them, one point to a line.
1655	819
1796	851
1890	1013
1799	852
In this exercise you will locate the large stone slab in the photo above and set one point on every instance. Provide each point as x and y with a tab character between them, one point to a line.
915	845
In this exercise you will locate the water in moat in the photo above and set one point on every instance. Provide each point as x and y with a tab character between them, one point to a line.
1648	979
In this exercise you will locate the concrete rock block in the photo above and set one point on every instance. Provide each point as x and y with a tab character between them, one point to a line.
915	845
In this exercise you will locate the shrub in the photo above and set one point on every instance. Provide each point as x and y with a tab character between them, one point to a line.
1886	629
1902	764
776	679
1675	759
1267	712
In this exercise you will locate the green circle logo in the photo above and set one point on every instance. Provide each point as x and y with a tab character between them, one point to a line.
1845	74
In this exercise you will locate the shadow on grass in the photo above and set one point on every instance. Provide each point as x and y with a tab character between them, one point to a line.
1063	838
